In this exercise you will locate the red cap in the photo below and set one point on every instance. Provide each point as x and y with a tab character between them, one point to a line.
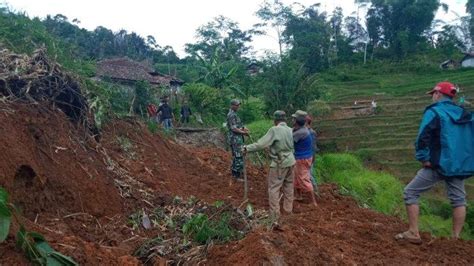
446	88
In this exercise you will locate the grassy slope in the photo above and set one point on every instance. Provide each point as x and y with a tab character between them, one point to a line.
385	140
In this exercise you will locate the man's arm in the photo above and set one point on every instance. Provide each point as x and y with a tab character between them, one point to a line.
428	125
232	121
300	134
264	142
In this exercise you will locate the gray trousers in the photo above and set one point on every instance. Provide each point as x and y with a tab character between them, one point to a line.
426	178
280	180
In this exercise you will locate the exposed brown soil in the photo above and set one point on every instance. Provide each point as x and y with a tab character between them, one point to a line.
80	193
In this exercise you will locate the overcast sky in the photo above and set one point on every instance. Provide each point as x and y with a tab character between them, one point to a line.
173	22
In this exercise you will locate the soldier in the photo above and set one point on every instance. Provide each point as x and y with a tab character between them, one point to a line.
237	131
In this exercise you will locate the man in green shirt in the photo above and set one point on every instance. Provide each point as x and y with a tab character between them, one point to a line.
236	134
279	139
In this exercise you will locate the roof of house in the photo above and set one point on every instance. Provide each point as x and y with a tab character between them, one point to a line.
127	69
467	55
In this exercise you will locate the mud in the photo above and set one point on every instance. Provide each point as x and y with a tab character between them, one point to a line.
80	194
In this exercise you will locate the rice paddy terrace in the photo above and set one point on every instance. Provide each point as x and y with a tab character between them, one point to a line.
385	139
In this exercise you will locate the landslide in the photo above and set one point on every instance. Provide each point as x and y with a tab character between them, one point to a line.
81	190
80	194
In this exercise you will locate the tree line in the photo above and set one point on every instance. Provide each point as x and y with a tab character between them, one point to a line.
310	41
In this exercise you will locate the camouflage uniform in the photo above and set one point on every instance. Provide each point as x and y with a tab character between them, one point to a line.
236	142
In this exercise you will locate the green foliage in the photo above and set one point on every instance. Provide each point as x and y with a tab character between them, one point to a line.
107	100
38	251
318	108
379	191
33	244
251	110
329	164
258	129
208	101
436	225
141	98
383	192
5	215
152	126
204	230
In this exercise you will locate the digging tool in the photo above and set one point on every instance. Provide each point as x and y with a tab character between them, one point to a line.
245	182
258	153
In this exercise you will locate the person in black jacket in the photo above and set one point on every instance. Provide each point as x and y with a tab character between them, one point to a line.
185	113
166	114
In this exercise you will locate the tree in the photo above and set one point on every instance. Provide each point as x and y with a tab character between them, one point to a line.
274	14
224	34
470	11
399	24
309	35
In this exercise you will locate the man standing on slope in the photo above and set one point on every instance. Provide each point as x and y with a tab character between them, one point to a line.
303	142
445	147
279	139
237	131
166	114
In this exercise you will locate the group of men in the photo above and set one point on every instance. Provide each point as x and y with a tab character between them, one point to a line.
163	114
444	146
291	151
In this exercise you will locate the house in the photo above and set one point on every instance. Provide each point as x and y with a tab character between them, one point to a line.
449	64
253	69
128	72
468	60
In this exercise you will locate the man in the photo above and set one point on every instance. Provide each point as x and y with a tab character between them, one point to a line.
166	114
309	121
152	112
444	147
279	139
185	112
236	134
303	144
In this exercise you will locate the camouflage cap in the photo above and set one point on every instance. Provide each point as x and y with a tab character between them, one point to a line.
234	102
279	115
300	113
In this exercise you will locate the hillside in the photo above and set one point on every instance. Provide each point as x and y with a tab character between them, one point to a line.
82	196
383	140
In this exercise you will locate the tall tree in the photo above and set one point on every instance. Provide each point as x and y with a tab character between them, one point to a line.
274	14
470	11
399	24
309	35
221	33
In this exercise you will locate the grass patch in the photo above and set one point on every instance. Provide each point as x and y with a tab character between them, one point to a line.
258	129
384	193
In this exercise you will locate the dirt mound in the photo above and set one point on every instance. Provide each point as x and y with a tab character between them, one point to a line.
82	195
339	232
170	168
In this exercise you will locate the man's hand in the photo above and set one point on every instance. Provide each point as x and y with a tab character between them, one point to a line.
245	131
244	150
427	164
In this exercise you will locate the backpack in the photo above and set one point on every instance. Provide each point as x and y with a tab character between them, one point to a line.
456	139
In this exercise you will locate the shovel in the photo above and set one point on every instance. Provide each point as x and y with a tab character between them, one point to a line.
245	182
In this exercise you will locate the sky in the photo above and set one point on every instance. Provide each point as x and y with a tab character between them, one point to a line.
174	22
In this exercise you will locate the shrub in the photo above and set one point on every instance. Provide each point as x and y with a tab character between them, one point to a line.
204	230
318	108
329	164
258	129
251	110
207	101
